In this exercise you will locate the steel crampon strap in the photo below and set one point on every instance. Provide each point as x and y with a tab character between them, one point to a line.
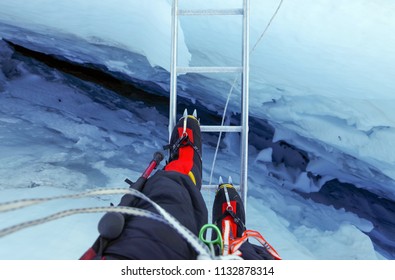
163	216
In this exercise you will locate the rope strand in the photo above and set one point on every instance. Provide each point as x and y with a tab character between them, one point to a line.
164	216
267	26
233	86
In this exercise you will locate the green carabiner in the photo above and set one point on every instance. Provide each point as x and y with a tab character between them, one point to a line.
211	243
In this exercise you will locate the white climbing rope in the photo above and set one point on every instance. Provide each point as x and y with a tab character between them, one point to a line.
163	216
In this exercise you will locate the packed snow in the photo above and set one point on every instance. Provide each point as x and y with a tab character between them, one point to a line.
321	77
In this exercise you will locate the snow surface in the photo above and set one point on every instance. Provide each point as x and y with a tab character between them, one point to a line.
322	76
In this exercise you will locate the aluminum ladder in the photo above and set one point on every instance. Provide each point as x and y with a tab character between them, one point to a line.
243	129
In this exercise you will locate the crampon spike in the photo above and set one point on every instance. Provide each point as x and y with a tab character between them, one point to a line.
185	113
194	114
221	181
230	181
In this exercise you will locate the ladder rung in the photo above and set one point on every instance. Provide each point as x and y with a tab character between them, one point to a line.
219	128
211	12
214	187
184	70
209	187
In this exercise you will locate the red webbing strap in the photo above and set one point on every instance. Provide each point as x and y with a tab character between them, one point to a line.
236	243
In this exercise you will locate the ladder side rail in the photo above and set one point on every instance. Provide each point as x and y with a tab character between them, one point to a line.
173	68
245	102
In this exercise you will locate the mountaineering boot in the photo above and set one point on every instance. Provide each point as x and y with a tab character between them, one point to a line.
185	149
228	212
229	217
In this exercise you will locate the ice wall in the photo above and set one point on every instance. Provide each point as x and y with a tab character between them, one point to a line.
323	71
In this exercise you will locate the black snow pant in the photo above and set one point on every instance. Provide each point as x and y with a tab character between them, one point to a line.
149	239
